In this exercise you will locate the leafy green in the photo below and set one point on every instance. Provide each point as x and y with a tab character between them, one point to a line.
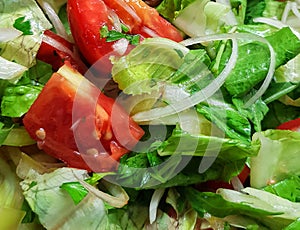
23	25
169	9
255	113
229	119
75	190
113	35
22	49
255	8
5	129
11	199
17	98
278	114
278	157
253	61
220	206
288	188
150	63
276	90
284	211
47	199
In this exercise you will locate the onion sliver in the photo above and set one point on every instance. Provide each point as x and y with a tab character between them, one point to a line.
155	199
275	23
52	42
55	20
202	95
295	9
7	34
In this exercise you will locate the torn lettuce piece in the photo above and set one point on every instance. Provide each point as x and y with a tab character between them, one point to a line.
254	58
277	158
284	211
194	17
151	62
10	71
22	49
47	199
288	188
11	199
200	145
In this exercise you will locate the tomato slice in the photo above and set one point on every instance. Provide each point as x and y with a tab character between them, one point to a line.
293	125
55	50
86	18
69	121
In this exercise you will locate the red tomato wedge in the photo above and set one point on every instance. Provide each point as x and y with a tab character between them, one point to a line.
86	18
73	121
293	125
55	50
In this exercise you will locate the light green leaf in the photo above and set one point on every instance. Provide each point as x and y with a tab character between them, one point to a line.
22	49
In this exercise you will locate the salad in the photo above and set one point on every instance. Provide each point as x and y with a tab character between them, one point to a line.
149	114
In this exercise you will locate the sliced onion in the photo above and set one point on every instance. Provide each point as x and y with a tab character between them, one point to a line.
121	46
156	197
237	184
118	201
275	23
55	20
54	43
115	20
202	95
295	10
286	11
8	34
149	31
230	18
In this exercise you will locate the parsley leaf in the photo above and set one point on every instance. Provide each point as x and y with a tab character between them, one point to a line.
75	190
113	35
23	25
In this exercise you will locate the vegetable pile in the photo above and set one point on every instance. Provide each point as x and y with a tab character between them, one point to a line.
149	114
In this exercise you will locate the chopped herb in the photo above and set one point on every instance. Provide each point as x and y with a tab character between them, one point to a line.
113	35
23	25
75	190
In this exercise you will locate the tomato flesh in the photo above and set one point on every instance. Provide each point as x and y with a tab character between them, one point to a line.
86	18
57	57
293	125
77	128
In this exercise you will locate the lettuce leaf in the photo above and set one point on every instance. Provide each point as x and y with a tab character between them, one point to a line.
277	159
22	49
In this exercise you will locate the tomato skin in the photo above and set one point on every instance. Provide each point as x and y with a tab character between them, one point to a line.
56	57
86	18
293	125
77	129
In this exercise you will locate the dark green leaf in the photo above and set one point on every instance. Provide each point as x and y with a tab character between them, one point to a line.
216	205
288	189
30	215
255	113
23	25
277	90
75	190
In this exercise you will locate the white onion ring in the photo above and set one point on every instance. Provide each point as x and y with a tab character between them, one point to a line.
156	197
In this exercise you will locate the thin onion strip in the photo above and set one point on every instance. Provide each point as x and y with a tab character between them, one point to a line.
8	34
202	95
295	10
55	20
155	199
285	13
52	42
275	23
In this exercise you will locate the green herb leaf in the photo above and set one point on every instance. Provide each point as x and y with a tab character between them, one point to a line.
23	25
75	190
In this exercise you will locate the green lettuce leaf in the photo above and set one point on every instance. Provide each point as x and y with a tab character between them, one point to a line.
22	49
253	61
47	200
278	157
288	188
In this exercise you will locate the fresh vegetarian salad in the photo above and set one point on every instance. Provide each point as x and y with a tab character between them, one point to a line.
131	114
